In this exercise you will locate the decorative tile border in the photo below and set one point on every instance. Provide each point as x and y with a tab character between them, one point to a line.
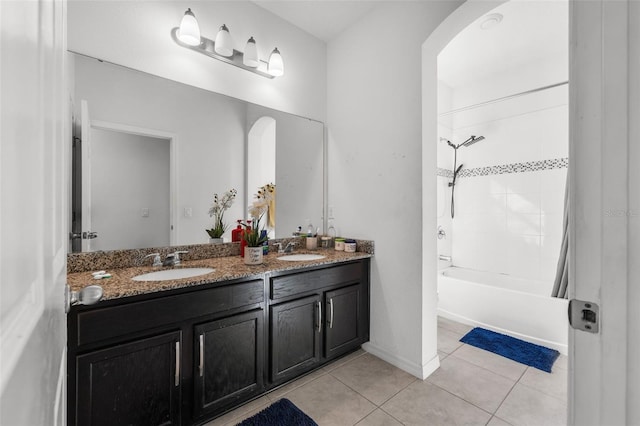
529	166
445	173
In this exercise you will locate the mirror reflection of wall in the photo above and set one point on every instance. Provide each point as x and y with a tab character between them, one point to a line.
261	162
130	197
210	135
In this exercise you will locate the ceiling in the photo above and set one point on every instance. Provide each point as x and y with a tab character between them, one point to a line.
322	19
530	31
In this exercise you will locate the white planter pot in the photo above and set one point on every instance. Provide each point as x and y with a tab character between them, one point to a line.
253	255
216	240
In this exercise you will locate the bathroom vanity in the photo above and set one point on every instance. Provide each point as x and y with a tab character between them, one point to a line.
188	352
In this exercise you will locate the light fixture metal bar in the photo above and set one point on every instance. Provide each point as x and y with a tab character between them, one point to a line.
206	47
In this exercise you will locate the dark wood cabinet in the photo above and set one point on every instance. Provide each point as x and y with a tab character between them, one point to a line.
316	316
135	383
295	337
344	323
185	356
229	368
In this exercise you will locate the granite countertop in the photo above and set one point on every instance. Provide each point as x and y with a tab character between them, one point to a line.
226	268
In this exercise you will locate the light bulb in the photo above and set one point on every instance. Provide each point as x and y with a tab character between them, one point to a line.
250	57
189	32
276	65
223	43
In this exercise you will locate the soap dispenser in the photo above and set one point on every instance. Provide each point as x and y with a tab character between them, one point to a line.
236	234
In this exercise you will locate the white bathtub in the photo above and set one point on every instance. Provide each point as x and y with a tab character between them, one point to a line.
514	306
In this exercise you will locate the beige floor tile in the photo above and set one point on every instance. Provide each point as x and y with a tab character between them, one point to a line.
379	418
497	421
276	394
442	355
373	378
454	326
423	403
492	362
242	412
561	363
329	402
448	341
526	406
554	384
342	361
474	384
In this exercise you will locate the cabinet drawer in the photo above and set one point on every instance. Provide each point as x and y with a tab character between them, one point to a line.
292	284
100	324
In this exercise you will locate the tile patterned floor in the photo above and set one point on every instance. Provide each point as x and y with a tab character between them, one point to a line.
471	387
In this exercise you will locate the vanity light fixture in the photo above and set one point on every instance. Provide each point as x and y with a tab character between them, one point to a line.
223	44
189	31
250	57
188	36
276	65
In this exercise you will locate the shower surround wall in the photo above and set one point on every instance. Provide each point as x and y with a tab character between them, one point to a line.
510	194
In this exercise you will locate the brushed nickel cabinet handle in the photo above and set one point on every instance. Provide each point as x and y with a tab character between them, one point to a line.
319	317
177	378
331	313
201	366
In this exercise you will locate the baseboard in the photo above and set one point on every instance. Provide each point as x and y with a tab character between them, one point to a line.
417	370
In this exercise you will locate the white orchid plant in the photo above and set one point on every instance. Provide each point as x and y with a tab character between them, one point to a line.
218	207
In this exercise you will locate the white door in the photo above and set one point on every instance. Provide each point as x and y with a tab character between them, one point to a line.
601	374
85	149
34	177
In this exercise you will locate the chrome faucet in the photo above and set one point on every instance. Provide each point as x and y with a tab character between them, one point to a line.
287	249
173	259
156	259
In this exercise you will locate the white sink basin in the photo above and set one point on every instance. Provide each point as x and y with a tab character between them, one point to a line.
301	257
173	274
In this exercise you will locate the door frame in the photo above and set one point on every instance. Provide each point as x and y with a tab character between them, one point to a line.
173	172
598	147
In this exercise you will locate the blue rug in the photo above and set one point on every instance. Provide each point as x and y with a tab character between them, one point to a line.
509	347
280	413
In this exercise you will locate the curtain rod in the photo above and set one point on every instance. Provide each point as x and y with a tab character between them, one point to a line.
504	98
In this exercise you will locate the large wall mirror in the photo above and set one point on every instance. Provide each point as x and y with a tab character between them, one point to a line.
150	154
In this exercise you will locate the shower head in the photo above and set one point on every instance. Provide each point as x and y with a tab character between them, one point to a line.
472	140
448	143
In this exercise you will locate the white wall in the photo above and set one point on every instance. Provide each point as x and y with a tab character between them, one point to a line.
445	164
209	135
137	35
298	154
509	221
261	161
130	173
374	122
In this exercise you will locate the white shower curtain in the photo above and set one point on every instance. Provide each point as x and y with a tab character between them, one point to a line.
560	285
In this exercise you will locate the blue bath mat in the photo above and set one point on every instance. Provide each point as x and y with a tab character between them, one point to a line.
509	347
281	413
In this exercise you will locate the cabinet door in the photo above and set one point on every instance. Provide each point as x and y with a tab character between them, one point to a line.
343	322
295	337
136	383
229	361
